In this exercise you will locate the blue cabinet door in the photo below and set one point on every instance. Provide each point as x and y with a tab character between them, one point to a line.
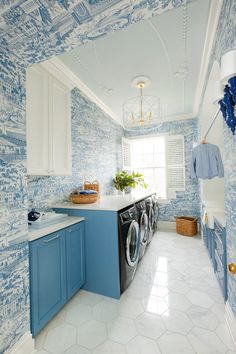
75	258
47	278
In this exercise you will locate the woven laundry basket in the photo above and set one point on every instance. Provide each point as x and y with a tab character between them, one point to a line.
83	198
94	186
186	225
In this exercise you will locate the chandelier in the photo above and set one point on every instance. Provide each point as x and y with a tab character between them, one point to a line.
142	110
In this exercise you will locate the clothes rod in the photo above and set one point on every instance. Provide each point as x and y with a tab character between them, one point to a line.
215	116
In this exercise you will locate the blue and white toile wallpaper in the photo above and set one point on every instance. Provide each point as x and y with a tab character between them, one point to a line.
187	202
32	31
225	40
96	154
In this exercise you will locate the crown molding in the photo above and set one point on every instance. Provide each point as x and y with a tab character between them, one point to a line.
57	68
177	117
213	19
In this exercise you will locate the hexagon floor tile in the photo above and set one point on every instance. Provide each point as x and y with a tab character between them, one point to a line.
177	321
78	314
130	308
105	311
150	325
61	338
205	341
203	317
110	347
121	330
175	343
76	349
171	307
142	345
91	334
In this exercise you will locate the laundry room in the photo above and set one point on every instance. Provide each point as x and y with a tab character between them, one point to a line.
117	176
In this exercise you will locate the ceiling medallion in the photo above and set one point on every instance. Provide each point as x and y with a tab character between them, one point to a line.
143	110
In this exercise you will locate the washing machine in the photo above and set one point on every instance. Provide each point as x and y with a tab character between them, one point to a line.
143	226
150	214
156	211
129	245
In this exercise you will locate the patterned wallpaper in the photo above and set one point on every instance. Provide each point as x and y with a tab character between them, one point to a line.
225	40
96	154
187	202
32	31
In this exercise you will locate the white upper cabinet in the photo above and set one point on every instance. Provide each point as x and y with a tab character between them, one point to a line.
48	115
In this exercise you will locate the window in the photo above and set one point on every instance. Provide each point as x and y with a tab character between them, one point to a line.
160	159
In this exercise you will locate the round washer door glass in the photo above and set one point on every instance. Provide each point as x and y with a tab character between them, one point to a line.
143	224
151	218
132	244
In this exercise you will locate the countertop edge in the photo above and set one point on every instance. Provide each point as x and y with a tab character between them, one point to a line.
34	234
96	207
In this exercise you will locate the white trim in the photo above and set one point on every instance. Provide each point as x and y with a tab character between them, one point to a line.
180	116
57	67
214	15
166	225
231	321
25	345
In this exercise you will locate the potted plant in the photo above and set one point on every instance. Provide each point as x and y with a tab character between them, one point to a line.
125	181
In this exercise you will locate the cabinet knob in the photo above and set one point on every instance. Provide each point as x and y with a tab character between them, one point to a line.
232	268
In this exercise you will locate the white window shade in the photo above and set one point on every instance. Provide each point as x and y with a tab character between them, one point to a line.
127	154
175	164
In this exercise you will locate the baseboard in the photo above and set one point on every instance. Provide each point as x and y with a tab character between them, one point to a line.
166	225
24	346
231	321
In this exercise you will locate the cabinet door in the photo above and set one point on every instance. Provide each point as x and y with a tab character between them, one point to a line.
47	277
59	128
37	121
75	258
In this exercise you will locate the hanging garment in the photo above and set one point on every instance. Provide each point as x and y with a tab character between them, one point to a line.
206	162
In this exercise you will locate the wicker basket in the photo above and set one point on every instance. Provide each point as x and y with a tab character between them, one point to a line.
186	226
93	185
83	198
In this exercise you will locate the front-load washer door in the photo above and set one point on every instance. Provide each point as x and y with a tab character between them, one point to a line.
151	218
143	228
133	244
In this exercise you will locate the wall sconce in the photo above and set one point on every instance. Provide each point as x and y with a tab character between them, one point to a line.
228	79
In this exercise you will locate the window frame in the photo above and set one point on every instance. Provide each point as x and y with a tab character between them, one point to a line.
170	192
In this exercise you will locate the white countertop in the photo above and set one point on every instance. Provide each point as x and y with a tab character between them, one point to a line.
35	234
106	202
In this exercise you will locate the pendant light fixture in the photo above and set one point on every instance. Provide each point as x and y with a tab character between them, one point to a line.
141	111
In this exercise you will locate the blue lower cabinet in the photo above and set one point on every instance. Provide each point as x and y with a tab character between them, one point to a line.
220	257
75	258
48	281
56	273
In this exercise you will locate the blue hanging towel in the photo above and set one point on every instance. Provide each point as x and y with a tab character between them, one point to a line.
206	162
88	191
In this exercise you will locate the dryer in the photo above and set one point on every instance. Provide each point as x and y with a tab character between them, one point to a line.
143	226
150	214
156	211
129	245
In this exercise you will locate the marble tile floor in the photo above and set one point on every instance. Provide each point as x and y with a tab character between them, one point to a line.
173	305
